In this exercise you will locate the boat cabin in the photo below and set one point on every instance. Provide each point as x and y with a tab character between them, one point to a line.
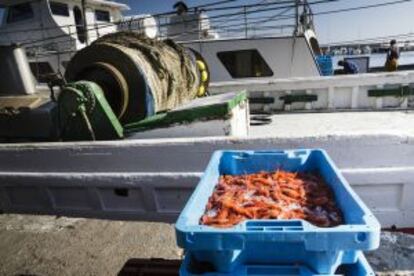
248	52
259	58
53	30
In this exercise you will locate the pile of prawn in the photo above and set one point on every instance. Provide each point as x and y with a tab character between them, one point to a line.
275	195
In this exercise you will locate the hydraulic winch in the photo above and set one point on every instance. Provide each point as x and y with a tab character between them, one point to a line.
119	79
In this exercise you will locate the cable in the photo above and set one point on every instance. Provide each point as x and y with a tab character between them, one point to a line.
353	9
196	20
264	27
363	7
215	3
322	13
58	27
242	18
271	9
97	25
262	20
169	24
119	22
262	4
193	31
196	30
275	8
372	40
266	20
259	22
221	27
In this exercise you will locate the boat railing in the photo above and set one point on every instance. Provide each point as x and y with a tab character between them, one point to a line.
239	26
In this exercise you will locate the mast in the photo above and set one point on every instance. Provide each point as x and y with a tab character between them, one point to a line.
309	16
297	17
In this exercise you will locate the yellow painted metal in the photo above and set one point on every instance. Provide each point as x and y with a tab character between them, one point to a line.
203	78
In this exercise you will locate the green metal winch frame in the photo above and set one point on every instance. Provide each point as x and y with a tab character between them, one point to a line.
85	114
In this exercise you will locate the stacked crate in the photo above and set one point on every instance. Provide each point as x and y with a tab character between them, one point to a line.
276	247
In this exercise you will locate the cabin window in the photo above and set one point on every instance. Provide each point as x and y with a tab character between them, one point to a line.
59	9
80	28
41	70
1	14
245	64
20	12
102	16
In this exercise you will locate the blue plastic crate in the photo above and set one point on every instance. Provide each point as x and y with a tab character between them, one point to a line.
325	65
277	241
360	268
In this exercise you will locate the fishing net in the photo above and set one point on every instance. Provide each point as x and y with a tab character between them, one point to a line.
170	69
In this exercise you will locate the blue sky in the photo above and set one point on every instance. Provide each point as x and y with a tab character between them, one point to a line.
369	23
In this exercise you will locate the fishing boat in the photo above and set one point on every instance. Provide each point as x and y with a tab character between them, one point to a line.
52	31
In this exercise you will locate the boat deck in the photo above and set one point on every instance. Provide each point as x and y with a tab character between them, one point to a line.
299	125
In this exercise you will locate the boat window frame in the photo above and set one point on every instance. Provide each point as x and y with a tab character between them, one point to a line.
59	6
11	18
268	72
102	12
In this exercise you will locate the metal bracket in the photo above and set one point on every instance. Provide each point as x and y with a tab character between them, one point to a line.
402	91
85	114
304	98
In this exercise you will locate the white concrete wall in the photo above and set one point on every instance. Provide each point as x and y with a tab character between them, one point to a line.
79	178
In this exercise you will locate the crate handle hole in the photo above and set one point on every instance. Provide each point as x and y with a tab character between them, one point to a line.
243	155
123	192
361	237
